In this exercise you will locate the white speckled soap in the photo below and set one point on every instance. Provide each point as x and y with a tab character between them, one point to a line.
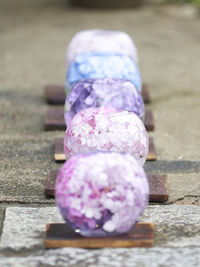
107	129
101	40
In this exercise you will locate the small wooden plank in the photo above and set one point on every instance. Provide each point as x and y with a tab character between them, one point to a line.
158	187
50	183
157	184
59	235
107	4
145	94
152	151
59	154
149	120
54	119
55	94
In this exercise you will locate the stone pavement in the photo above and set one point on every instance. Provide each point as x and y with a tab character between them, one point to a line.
34	35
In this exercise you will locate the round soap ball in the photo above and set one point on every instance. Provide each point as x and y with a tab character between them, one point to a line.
101	40
117	93
107	129
101	193
100	65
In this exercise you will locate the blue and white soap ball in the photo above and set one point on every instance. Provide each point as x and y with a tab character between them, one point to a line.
100	65
101	40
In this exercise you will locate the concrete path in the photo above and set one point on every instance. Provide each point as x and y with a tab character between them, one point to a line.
34	36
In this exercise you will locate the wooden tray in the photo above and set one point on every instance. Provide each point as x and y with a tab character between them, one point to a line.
59	155
157	183
54	119
59	235
55	94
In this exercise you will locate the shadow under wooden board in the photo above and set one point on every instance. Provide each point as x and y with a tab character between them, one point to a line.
55	94
157	184
59	235
59	154
54	119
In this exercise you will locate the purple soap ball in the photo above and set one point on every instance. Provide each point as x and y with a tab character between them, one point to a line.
120	94
101	193
95	40
107	129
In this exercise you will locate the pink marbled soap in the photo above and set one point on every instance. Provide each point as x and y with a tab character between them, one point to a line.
107	129
101	193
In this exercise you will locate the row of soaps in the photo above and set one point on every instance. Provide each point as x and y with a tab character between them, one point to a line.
102	188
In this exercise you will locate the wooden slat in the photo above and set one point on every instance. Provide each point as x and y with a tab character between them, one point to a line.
55	94
145	94
59	154
149	120
107	4
158	187
54	119
152	151
157	184
59	235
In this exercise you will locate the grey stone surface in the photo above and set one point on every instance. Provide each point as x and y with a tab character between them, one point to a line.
183	186
176	226
24	228
24	168
153	257
180	166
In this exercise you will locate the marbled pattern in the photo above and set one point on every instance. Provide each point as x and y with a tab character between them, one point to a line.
99	65
107	129
120	94
94	40
101	193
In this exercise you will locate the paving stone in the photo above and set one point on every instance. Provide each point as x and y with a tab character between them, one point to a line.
25	163
176	226
177	166
24	228
177	133
183	186
153	257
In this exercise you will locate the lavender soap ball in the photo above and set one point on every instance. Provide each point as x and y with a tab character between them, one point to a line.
120	94
101	40
100	65
101	193
107	129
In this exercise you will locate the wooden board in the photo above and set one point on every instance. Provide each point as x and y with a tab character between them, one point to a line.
157	184
59	235
152	151
145	94
149	121
54	119
59	155
55	94
107	4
